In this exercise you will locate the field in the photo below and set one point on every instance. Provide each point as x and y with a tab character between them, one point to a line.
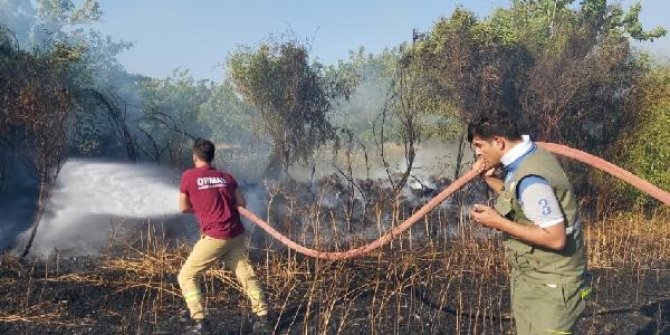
445	276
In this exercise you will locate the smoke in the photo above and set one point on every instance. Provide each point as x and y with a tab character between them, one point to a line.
90	197
20	17
256	195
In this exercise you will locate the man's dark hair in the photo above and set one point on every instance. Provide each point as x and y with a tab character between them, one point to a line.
204	150
486	126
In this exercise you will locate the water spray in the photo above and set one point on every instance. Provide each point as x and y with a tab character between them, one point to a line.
88	194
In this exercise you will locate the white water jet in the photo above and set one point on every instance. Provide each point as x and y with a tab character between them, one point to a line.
89	197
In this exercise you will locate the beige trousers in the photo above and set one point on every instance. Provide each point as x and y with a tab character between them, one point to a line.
234	254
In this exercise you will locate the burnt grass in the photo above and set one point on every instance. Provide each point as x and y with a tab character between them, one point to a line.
458	289
443	276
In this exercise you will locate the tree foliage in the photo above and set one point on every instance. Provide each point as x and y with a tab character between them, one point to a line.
49	94
37	113
552	65
563	71
372	75
291	95
227	119
170	111
644	147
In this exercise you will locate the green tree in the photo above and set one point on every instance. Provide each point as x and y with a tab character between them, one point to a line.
563	71
60	28
170	107
37	112
46	84
372	76
227	118
644	148
233	125
291	95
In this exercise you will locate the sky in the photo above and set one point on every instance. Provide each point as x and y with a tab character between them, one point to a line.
199	34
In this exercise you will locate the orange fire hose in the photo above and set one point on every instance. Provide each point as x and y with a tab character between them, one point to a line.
575	154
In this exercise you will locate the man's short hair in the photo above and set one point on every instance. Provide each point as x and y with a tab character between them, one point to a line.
204	150
488	125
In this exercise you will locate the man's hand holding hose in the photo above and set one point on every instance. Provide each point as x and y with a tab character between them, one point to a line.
484	168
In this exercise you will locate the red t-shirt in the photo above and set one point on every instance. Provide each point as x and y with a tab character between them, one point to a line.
212	196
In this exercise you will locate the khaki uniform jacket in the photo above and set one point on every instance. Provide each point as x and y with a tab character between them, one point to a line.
535	263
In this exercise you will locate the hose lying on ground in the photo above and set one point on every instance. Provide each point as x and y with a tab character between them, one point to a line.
562	150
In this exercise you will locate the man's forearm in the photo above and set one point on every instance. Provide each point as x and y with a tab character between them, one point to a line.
551	238
497	185
185	204
186	209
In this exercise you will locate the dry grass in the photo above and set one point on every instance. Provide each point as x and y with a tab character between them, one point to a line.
445	276
630	239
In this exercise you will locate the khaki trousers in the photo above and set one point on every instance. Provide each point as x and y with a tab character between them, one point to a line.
234	254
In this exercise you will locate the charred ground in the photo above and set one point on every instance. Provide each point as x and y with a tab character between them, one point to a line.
445	276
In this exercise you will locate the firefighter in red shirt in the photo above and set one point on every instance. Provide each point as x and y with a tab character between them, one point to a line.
213	196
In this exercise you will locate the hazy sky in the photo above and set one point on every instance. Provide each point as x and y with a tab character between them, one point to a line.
198	34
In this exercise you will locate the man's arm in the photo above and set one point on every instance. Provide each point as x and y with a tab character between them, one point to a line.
539	205
552	237
185	204
496	184
239	198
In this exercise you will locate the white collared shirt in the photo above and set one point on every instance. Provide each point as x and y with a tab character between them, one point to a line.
517	151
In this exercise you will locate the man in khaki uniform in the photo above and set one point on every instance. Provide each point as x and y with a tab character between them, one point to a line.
537	212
